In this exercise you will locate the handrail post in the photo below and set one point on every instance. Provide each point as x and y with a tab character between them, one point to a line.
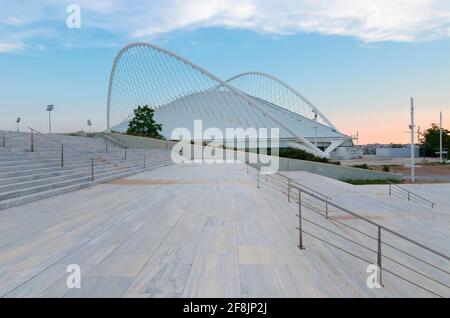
390	189
144	160
326	208
257	179
92	169
106	145
4	143
409	196
125	153
32	141
300	229
289	190
62	155
379	256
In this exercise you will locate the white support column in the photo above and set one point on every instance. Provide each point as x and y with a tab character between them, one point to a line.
413	148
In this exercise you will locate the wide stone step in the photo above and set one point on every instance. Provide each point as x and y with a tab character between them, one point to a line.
60	172
12	161
25	166
13	202
47	184
20	189
28	172
16	181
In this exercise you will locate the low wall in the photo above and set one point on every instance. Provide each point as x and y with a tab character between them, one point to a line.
142	142
199	152
336	172
286	164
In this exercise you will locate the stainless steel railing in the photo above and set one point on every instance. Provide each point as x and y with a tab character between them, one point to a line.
125	147
424	270
395	189
63	148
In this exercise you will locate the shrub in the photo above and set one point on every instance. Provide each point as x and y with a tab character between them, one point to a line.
362	166
299	154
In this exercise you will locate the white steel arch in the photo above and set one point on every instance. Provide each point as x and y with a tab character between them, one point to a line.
143	73
248	83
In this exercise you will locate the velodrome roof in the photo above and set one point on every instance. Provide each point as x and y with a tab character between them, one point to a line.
181	91
224	110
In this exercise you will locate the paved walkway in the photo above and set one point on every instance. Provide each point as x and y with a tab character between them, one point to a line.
179	231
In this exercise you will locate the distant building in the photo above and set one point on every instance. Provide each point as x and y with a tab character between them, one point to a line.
389	150
404	152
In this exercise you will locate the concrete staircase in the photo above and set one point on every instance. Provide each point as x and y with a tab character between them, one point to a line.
27	175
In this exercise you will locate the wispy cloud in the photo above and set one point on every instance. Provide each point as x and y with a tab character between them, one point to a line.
369	20
10	47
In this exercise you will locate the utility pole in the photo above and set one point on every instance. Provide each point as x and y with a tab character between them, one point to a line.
441	131
419	141
413	148
315	129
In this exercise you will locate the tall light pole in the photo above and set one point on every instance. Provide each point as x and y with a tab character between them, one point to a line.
441	150
316	127
49	110
18	122
89	123
411	127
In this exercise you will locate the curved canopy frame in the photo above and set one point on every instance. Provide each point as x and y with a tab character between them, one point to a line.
145	74
278	92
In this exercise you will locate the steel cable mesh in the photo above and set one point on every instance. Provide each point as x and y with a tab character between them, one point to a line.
144	75
267	88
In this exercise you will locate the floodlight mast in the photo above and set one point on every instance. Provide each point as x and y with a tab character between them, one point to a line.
89	123
49	110
18	122
412	126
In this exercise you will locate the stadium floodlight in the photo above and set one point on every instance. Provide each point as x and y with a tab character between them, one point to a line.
89	123
49	110
18	122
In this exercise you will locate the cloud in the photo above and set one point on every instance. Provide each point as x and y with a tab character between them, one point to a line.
369	20
10	47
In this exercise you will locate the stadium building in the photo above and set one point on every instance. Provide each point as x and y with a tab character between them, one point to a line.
181	92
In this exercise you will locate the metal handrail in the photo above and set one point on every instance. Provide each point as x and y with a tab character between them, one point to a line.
113	140
377	225
292	181
411	195
60	143
125	146
63	146
378	238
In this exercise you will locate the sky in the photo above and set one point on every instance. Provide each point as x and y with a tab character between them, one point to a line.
357	61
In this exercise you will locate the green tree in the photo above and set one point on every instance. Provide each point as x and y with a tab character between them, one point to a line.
430	140
143	124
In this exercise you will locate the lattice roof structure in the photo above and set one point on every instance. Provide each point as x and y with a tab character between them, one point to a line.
180	92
